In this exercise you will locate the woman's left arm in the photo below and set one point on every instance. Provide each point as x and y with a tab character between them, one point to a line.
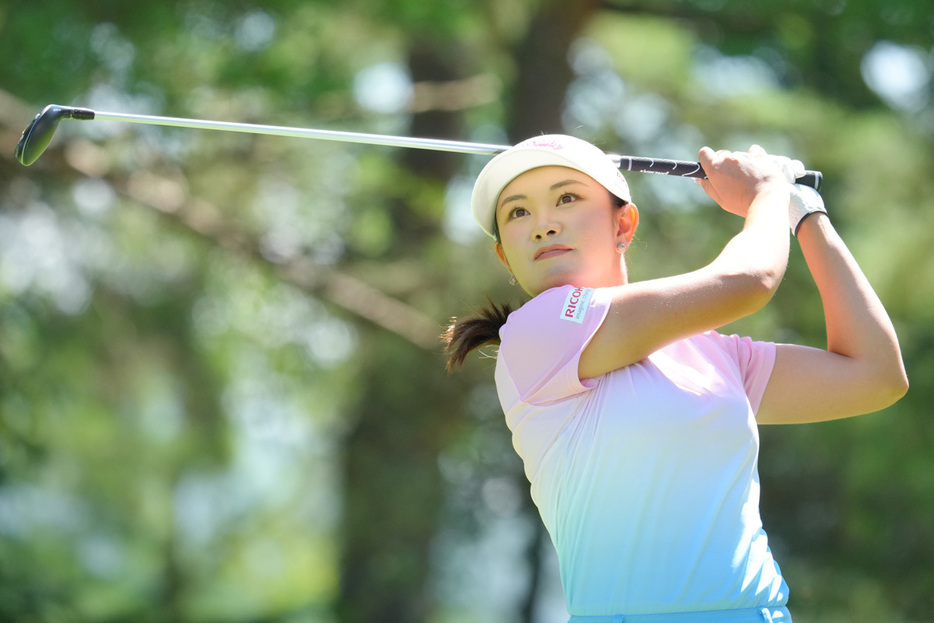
861	370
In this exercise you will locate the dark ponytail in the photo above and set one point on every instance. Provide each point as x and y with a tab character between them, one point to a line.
463	336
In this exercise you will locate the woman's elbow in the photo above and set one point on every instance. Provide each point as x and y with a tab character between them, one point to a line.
890	386
759	288
899	386
770	278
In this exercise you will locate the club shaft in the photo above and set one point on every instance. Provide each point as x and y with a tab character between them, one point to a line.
327	135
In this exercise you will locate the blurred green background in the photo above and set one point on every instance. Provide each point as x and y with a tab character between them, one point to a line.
222	396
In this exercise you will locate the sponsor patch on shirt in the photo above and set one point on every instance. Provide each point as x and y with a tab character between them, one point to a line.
576	304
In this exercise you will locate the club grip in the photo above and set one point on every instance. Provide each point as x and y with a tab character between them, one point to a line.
685	168
814	179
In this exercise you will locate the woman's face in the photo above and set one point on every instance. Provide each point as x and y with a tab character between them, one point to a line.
558	226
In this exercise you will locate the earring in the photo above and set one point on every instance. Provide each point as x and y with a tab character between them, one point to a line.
621	247
512	280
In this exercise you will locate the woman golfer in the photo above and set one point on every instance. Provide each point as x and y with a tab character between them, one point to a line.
635	420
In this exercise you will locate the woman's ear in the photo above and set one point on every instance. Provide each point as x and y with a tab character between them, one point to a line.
502	255
628	222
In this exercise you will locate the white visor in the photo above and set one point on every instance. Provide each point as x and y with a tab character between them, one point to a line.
542	151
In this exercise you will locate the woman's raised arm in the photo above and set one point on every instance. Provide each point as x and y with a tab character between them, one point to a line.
861	370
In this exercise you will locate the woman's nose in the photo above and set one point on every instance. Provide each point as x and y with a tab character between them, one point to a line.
546	226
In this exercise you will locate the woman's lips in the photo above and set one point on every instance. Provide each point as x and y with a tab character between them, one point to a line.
552	251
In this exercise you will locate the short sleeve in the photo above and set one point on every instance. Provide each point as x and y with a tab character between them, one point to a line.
755	361
541	343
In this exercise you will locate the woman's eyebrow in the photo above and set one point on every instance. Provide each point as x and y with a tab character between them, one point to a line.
554	187
563	183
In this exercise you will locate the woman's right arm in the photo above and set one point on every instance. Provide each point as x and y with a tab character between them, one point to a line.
648	315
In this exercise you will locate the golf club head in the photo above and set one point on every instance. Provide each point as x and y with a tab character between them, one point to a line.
37	136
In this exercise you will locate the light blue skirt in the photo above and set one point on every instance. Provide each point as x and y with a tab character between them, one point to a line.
745	615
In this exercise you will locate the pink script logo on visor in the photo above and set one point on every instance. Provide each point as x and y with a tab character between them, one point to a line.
548	144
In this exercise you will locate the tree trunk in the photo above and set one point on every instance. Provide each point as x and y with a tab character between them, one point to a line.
544	72
403	417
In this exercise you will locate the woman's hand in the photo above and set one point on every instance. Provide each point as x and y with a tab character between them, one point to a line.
736	178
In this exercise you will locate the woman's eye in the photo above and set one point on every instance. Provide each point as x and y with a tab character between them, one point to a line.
567	198
516	212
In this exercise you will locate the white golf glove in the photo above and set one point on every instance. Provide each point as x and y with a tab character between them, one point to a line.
804	199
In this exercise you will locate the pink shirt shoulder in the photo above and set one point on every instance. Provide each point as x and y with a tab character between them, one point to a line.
542	341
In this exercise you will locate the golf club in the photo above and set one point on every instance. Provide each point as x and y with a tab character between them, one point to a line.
37	136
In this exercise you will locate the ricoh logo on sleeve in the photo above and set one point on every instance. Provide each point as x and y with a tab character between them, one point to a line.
575	305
